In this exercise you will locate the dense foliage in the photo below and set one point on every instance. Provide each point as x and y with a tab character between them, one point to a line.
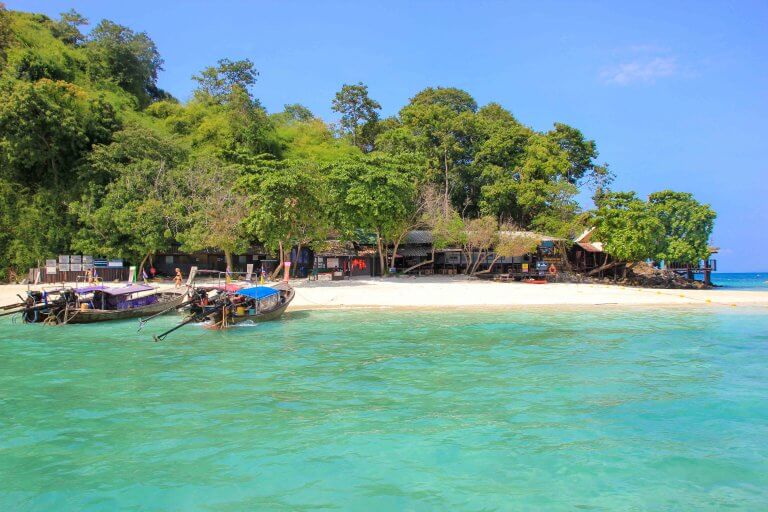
95	158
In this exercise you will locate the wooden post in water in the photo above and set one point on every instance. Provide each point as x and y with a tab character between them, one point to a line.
707	273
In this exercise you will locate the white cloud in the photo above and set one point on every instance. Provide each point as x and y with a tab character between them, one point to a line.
641	70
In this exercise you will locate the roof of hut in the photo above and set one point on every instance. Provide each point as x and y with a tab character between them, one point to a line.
336	248
418	237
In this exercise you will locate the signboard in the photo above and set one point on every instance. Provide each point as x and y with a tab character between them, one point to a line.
51	271
87	260
99	263
331	262
453	258
76	267
115	263
87	266
525	267
64	267
75	258
63	258
50	263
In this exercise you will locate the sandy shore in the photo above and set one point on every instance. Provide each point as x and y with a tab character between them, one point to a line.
461	292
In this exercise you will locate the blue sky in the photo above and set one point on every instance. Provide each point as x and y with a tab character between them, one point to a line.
674	93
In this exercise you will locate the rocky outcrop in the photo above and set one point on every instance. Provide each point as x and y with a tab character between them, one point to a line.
642	275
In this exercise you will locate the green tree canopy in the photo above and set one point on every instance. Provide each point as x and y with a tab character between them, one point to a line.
47	127
128	58
218	83
628	229
359	114
68	27
374	193
287	205
687	225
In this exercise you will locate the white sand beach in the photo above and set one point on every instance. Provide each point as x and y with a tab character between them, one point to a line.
463	292
429	292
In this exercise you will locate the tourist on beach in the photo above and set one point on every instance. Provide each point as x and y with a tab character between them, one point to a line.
178	278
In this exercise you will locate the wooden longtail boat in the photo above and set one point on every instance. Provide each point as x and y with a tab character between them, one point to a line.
255	304
100	304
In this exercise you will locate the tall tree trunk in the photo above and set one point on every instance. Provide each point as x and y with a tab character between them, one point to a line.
445	162
382	260
295	263
281	260
427	262
490	267
228	260
480	257
605	266
468	256
140	270
398	241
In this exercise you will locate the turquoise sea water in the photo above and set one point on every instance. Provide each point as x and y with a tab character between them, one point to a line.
622	409
741	280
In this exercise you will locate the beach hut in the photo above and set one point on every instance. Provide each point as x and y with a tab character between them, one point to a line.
342	259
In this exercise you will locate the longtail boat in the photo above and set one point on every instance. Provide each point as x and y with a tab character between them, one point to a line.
255	304
98	303
221	307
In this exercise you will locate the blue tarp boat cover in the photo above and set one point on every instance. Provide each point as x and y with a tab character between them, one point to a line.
258	292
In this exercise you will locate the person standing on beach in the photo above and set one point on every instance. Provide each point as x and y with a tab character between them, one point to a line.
178	278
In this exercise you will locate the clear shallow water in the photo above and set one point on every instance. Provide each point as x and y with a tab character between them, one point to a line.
370	410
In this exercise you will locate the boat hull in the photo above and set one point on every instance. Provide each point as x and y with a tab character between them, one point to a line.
214	320
89	316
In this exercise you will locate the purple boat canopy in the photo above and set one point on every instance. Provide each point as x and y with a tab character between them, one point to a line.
120	290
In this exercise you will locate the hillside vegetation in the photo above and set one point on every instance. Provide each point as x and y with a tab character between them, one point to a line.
95	158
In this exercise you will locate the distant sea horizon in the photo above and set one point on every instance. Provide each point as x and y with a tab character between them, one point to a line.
740	280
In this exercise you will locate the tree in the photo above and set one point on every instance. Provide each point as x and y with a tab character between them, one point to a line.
213	209
445	226
451	98
46	127
287	206
130	59
374	193
41	227
129	208
480	235
513	242
217	83
358	114
438	125
525	181
6	35
298	112
224	119
130	146
687	226
629	230
68	27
